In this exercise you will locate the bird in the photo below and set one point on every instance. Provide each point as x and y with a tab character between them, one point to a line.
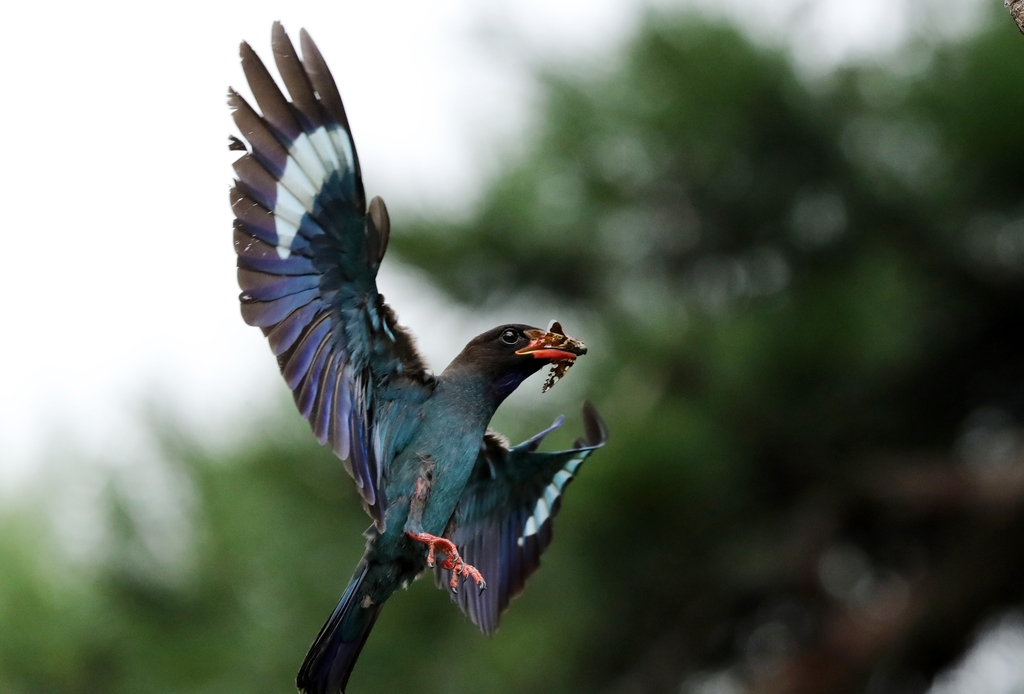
443	490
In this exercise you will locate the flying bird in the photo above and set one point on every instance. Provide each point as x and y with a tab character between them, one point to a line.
442	489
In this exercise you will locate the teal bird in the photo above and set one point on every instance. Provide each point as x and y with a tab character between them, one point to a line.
442	490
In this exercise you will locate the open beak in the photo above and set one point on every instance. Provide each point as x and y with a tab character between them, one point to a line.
552	344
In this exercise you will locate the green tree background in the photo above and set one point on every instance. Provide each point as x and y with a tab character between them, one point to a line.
805	306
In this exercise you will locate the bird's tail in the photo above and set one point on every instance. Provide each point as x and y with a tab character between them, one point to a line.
332	656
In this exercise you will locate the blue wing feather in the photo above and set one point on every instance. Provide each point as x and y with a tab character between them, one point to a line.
308	254
298	361
307	390
258	255
261	286
284	335
267	314
504	519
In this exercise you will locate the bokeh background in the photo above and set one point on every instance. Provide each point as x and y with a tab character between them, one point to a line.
792	236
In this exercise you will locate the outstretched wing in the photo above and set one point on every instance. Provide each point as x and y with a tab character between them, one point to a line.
308	253
503	520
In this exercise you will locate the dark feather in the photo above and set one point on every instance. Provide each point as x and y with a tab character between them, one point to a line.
295	78
260	222
298	361
378	230
504	520
323	82
285	333
254	181
597	432
258	255
265	147
305	395
299	195
265	314
261	286
275	108
319	419
337	433
330	659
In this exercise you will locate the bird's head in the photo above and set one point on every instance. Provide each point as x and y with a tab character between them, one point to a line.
509	354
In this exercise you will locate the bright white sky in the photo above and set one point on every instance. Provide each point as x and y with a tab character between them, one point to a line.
120	284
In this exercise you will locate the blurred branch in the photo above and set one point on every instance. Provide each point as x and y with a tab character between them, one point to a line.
1016	8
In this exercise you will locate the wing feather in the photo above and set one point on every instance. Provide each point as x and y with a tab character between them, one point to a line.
267	314
307	388
308	253
263	286
505	516
260	255
284	335
295	79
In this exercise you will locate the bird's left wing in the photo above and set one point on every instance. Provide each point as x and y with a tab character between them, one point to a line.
504	517
308	253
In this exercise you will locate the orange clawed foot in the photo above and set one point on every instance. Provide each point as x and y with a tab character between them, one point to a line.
453	562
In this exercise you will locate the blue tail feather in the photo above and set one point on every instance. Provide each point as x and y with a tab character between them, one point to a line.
333	654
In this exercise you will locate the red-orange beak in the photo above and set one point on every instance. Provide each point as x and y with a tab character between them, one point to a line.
553	345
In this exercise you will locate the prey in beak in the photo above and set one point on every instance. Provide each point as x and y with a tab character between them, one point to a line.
555	346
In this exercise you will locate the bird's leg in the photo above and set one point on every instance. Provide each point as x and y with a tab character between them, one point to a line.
420	495
453	561
414	529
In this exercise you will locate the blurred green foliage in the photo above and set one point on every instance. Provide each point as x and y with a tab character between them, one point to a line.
795	287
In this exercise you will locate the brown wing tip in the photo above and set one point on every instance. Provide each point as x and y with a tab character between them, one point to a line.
279	38
597	431
381	229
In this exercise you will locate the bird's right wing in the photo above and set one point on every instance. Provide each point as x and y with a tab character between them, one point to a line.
504	517
308	253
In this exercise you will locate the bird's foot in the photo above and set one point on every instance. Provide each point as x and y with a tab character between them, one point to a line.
465	570
453	561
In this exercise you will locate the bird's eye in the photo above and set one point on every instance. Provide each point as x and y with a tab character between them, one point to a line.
510	337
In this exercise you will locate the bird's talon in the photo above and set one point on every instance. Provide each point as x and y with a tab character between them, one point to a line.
453	561
478	578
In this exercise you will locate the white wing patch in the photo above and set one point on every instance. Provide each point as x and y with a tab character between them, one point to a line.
343	145
288	206
321	142
545	504
303	152
541	512
311	161
286	232
561	477
295	181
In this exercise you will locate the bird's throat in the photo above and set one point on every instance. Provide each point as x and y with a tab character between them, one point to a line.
503	386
